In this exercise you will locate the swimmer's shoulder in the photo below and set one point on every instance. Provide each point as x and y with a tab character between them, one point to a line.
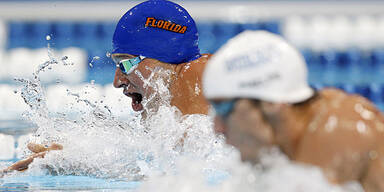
349	104
345	98
194	67
199	64
330	93
188	85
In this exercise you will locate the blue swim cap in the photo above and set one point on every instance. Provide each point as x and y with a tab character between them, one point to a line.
157	29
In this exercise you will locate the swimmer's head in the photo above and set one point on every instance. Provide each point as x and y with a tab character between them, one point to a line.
249	81
157	29
155	33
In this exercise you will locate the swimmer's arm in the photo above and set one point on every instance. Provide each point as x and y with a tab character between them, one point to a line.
22	165
39	152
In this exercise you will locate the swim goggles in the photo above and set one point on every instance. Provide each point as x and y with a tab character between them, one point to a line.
127	66
224	108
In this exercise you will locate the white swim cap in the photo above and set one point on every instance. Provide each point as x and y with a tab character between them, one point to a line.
258	65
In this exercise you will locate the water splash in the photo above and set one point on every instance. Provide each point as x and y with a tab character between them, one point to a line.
95	58
97	144
169	151
275	173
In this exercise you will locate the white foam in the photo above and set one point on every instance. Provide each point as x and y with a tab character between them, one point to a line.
275	173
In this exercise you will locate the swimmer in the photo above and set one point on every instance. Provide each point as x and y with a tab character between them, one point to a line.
257	84
155	33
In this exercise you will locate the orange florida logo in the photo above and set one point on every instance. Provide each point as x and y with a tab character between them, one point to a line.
166	25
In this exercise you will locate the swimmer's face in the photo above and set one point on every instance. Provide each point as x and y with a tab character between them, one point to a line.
133	83
245	129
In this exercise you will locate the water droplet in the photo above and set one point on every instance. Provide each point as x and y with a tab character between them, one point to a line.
197	89
373	154
364	113
93	60
361	127
331	123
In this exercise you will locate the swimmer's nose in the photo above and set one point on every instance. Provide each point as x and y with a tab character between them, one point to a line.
219	126
120	79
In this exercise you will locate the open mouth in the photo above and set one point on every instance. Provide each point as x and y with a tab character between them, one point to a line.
137	98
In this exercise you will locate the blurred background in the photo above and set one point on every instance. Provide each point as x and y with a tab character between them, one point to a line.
342	42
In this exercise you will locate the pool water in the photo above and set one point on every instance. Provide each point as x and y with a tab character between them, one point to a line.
102	152
64	183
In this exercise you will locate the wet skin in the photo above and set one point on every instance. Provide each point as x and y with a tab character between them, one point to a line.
184	81
342	134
